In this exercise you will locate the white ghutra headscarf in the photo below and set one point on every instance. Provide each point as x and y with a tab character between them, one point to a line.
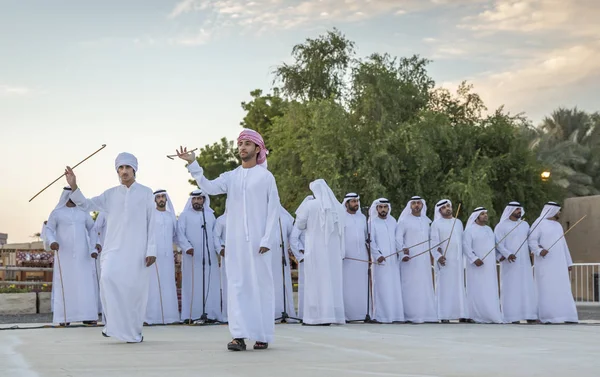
509	209
478	211
331	211
438	205
196	193
407	211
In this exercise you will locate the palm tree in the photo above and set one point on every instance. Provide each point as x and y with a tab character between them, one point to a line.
568	142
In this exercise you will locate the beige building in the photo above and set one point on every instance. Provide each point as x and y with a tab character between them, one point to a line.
584	244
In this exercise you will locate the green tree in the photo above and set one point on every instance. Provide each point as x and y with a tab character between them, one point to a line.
262	111
216	159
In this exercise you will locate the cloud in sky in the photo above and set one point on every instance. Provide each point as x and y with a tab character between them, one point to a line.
10	90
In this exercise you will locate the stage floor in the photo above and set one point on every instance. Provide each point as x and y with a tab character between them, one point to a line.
351	350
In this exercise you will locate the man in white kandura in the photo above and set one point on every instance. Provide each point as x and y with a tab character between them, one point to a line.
517	292
412	237
356	272
323	218
281	268
219	233
128	251
200	278
297	240
449	268
70	233
482	279
253	207
163	306
387	285
552	265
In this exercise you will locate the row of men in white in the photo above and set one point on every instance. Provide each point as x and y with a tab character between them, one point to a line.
324	231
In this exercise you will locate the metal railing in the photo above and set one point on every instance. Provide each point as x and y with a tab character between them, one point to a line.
585	283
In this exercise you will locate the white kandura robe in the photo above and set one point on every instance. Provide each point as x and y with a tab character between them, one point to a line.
356	273
208	283
162	293
253	207
449	279
297	239
129	240
416	274
551	274
100	230
323	253
482	282
72	229
219	235
279	269
517	290
387	285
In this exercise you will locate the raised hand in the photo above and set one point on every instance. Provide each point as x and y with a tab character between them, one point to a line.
185	155
54	246
71	178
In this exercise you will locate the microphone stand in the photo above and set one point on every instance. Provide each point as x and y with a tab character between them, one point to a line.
205	251
369	270
284	315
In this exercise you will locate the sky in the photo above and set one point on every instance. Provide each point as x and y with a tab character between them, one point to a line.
146	76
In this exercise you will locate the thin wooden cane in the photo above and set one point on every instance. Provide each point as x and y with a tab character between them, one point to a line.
452	230
530	233
502	239
81	162
162	312
62	287
565	233
192	298
410	247
431	248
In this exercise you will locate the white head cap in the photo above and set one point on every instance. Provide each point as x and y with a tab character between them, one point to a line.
126	159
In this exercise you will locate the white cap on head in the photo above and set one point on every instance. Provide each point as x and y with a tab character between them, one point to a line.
128	159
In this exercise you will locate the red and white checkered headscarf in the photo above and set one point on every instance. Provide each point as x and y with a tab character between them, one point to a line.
256	138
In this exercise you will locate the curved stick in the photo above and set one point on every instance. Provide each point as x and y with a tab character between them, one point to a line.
162	312
80	162
410	247
530	233
565	233
502	239
192	298
172	156
452	230
62	287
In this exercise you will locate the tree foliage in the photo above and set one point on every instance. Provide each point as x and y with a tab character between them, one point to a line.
378	126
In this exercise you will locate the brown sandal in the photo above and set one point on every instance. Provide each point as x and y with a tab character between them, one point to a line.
261	346
237	344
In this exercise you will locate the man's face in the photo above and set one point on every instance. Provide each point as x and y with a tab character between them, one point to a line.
416	206
383	210
483	218
198	203
160	200
126	173
247	150
557	216
446	210
352	205
517	213
70	203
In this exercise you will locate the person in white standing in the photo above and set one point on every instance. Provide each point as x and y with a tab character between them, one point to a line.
447	232
517	291
297	240
415	266
387	285
553	262
200	277
163	307
323	219
128	251
69	232
253	207
482	278
356	271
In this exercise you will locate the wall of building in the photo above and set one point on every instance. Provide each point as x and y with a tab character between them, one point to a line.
584	239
